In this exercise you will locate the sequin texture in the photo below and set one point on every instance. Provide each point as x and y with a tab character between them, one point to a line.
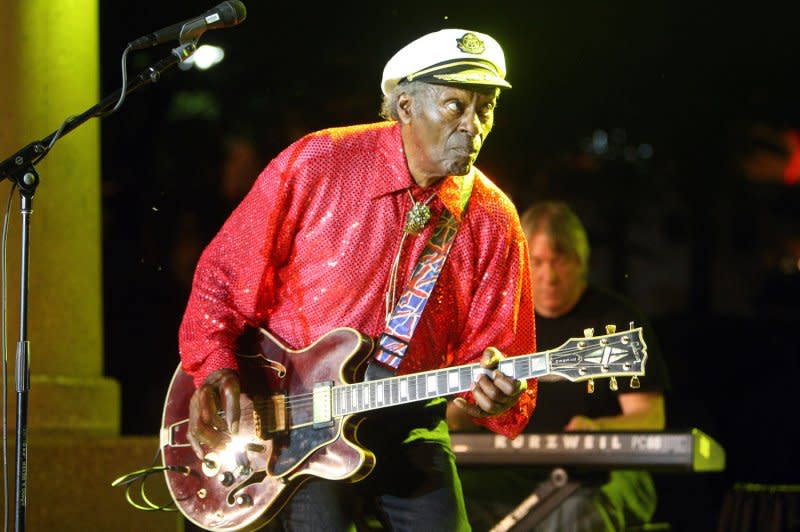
311	248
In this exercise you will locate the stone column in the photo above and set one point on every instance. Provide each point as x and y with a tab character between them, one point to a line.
49	70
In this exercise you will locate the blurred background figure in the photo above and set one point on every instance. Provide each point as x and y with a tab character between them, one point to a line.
566	303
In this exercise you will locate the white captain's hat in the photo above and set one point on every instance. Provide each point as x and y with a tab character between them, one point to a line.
449	56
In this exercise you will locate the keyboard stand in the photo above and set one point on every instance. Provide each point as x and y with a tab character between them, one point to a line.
544	499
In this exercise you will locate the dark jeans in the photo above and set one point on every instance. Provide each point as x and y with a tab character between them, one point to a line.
414	486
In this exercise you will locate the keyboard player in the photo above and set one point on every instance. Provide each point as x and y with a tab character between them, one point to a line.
566	304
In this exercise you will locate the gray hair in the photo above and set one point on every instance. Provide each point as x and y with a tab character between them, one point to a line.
561	225
389	103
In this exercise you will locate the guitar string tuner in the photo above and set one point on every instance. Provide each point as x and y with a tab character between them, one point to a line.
590	386
588	332
611	328
635	384
612	383
630	325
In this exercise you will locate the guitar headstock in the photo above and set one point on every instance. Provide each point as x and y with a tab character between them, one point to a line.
616	354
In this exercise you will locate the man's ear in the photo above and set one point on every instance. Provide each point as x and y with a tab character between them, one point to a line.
404	106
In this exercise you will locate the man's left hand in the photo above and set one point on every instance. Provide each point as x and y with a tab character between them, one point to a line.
493	395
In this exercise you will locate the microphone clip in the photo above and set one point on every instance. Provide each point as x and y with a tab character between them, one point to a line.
185	51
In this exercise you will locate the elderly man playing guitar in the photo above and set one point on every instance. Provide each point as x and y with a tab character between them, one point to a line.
343	241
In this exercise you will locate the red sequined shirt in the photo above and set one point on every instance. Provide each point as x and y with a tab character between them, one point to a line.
311	248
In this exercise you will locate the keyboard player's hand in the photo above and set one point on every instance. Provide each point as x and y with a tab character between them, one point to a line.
581	423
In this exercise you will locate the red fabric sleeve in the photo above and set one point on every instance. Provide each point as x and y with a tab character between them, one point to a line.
504	297
235	276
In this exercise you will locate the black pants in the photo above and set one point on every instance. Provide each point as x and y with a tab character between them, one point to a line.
414	486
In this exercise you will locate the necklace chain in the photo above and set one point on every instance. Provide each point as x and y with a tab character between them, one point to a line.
416	219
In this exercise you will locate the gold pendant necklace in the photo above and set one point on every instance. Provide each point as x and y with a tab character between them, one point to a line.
416	220
419	215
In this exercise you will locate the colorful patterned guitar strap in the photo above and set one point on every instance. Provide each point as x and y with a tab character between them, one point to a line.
393	342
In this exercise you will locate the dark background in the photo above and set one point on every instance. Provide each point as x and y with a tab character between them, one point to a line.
666	126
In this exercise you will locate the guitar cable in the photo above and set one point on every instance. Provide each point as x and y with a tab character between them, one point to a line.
130	479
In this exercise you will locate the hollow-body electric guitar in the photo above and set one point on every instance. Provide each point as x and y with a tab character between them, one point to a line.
301	410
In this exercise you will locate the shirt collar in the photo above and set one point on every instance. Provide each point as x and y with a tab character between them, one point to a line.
394	175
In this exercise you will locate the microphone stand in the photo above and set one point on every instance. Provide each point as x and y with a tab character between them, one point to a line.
19	168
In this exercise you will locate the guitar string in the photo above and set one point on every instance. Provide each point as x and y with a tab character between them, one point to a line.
301	401
306	399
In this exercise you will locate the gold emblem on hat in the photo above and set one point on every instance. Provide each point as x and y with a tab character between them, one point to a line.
471	44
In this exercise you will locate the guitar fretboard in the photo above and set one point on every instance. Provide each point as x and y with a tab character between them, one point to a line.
371	395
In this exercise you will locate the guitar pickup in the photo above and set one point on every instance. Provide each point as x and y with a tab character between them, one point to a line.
323	412
269	415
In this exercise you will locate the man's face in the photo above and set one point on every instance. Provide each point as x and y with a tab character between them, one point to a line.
558	279
446	129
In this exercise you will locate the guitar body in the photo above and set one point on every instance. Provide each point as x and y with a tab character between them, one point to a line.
281	446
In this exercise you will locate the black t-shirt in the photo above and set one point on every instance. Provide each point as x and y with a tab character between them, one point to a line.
559	401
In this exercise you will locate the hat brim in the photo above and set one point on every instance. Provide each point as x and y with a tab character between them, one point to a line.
473	76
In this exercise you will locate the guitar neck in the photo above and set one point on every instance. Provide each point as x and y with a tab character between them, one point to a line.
371	395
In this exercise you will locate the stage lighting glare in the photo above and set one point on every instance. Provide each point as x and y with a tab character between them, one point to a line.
205	57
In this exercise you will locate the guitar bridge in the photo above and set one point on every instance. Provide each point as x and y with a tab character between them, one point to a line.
269	415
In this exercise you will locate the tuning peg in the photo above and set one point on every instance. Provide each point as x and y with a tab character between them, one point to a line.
611	328
588	332
635	383
630	325
590	386
613	384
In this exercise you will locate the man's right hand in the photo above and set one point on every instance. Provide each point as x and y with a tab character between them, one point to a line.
220	391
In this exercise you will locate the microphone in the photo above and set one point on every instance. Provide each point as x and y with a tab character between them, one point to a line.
226	14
